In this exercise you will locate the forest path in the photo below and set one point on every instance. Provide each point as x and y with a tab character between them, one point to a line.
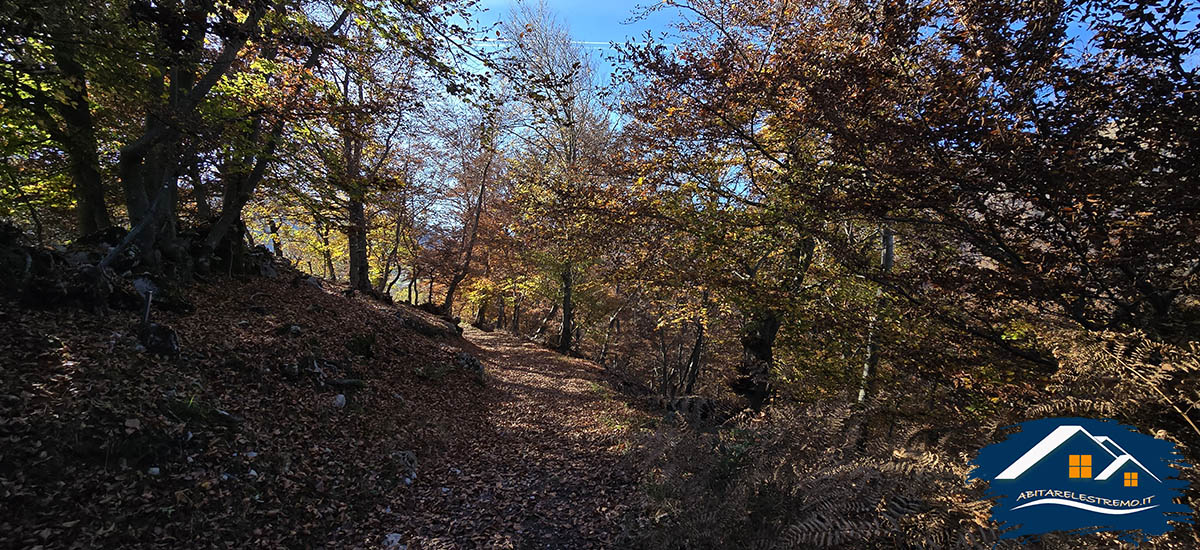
543	465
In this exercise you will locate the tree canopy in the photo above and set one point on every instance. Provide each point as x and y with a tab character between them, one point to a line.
921	208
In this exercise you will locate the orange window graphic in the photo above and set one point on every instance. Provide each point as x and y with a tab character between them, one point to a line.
1080	467
1131	479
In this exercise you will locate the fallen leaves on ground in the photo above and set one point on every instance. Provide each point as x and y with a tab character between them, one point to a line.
239	442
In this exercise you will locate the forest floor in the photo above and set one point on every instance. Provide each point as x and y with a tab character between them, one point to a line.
274	428
544	469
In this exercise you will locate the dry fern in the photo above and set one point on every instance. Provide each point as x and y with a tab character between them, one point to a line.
1127	376
892	474
796	478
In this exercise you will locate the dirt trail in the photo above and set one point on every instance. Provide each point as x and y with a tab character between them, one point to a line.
541	468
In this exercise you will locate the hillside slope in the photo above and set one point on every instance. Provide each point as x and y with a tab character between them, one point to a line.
298	417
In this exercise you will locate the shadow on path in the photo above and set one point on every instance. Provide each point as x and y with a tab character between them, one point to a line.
541	470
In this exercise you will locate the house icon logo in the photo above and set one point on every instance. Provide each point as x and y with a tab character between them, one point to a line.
1082	475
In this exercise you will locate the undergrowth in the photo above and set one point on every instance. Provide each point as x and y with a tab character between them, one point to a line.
894	474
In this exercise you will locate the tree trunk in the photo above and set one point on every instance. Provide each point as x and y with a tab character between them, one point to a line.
392	283
871	365
154	160
516	315
468	247
758	336
322	230
501	317
568	313
613	323
481	313
149	170
79	143
135	232
237	191
664	377
199	191
692	371
136	170
754	372
240	188
356	234
276	242
384	286
546	320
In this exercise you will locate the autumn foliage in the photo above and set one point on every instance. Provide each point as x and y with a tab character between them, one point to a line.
859	236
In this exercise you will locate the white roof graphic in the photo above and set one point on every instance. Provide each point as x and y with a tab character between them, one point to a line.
1110	445
1059	436
1118	463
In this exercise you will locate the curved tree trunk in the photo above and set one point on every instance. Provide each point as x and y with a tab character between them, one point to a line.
240	187
468	247
481	314
758	336
387	290
614	323
386	280
546	320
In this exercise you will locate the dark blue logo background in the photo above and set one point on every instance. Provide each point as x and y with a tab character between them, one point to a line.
1079	474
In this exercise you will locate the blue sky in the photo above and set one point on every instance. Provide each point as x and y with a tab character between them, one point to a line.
593	22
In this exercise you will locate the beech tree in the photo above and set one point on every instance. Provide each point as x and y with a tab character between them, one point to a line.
1016	164
49	54
565	136
354	147
205	91
709	146
475	138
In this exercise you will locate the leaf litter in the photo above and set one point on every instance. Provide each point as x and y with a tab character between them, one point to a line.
237	442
